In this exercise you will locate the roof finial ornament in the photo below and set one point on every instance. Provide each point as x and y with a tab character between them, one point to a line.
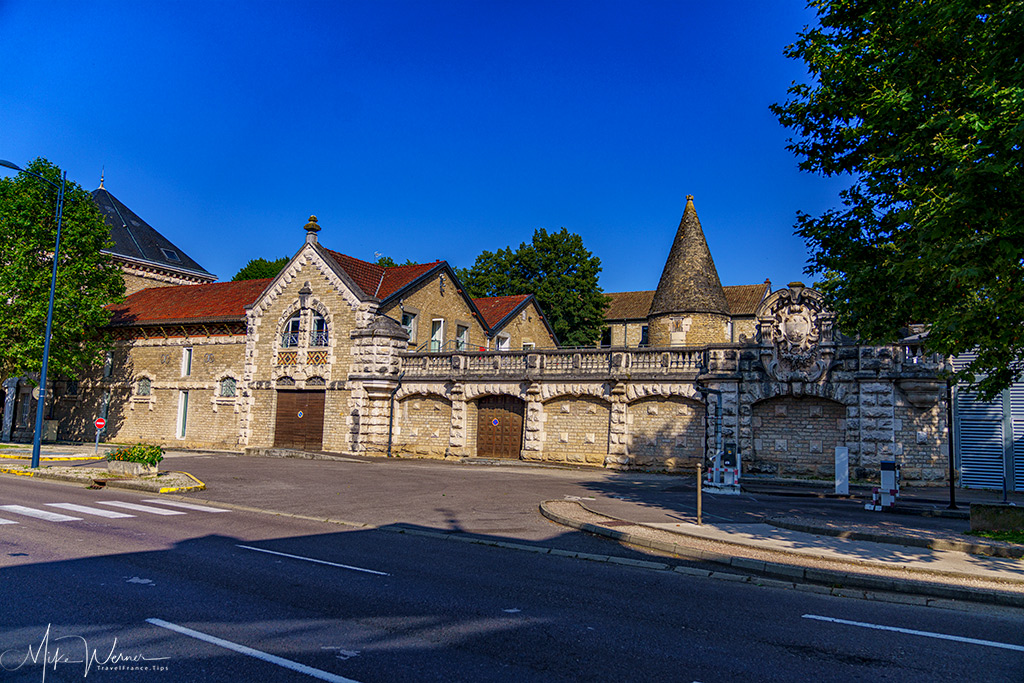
102	169
312	228
689	197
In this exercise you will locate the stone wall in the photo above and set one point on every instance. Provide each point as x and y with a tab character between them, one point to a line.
796	436
575	430
665	432
423	425
689	329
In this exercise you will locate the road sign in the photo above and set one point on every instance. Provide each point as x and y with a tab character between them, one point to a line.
100	423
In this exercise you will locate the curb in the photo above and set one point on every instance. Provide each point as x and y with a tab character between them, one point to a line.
932	543
839	580
110	483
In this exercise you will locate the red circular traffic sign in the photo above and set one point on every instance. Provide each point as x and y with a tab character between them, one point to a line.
100	423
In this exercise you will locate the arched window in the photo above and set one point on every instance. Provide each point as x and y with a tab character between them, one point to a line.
290	337
318	335
144	387
227	387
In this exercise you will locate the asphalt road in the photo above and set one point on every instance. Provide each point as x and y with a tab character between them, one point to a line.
237	595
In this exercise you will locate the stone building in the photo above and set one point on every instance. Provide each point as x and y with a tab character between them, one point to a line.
340	355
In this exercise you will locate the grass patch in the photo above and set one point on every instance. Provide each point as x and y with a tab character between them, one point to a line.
1008	536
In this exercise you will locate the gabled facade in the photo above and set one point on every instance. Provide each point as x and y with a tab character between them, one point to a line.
516	318
285	362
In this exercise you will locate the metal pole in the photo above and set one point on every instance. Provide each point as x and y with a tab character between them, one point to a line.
949	441
699	494
37	439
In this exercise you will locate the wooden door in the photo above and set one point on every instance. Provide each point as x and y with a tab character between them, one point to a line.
300	420
499	427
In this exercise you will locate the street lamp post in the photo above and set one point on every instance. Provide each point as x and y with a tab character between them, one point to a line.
37	437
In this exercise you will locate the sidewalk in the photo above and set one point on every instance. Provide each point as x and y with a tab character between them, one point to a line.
922	552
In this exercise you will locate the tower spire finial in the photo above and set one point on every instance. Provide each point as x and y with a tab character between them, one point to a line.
102	170
312	228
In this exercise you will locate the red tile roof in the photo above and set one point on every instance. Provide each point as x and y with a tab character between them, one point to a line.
629	305
494	309
220	301
742	300
377	280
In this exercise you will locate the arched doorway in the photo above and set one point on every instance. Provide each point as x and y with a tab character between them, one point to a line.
499	431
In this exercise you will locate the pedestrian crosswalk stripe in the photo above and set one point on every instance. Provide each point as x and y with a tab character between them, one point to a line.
39	514
85	510
7	521
139	508
187	506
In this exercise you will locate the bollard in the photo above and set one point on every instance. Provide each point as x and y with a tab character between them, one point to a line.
699	492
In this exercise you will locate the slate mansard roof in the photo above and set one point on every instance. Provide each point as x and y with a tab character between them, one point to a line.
136	240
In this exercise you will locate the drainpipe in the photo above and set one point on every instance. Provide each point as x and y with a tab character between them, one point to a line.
391	412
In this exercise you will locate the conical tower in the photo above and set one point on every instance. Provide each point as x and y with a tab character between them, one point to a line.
689	306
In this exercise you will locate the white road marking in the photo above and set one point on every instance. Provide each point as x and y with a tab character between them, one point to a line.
39	514
187	506
110	514
136	579
310	559
242	649
912	632
139	508
7	521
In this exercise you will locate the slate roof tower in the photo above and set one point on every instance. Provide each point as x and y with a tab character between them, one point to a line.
689	307
147	258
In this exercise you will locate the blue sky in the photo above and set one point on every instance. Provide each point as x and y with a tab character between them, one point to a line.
422	130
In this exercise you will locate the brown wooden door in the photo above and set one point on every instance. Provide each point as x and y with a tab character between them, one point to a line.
499	427
300	420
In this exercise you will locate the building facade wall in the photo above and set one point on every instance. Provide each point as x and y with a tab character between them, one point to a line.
575	430
797	436
666	432
526	327
423	425
689	329
430	301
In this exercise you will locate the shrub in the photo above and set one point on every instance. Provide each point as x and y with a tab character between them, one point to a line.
147	455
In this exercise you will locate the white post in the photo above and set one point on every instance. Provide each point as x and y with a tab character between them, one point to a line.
842	470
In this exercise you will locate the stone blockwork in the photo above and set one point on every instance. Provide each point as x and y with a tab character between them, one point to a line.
796	436
423	425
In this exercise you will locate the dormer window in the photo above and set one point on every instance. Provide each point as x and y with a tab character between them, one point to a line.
290	337
318	336
171	255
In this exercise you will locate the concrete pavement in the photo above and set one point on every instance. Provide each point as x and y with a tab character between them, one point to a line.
787	531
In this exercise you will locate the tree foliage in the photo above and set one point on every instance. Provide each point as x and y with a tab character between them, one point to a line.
558	271
261	269
388	262
921	104
87	280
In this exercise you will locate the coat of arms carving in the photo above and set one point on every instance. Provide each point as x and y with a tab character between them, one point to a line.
793	325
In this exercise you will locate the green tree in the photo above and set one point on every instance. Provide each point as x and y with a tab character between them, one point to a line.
87	280
388	262
921	105
260	269
558	271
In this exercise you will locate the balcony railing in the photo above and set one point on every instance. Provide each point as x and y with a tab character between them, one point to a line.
289	339
556	363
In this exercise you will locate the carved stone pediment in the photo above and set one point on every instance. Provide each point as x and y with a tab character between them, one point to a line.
795	333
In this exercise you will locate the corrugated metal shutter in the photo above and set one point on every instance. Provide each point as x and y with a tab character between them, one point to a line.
980	441
1017	415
